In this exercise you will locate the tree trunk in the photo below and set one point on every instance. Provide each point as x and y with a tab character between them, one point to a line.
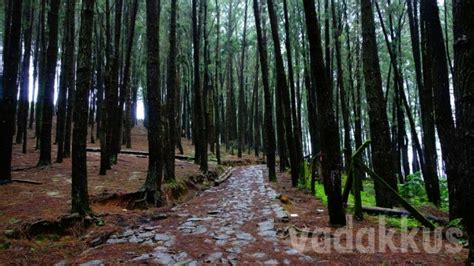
329	132
21	136
282	87
171	95
153	181
80	198
48	104
65	66
242	129
8	91
380	134
463	81
268	122
436	52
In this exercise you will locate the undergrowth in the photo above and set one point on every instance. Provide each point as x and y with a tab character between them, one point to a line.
413	190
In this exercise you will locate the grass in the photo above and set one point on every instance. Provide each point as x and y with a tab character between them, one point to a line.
413	190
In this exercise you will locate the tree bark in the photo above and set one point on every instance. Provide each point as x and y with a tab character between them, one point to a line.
79	193
171	96
282	87
48	104
8	91
329	132
379	128
268	122
153	181
463	81
436	52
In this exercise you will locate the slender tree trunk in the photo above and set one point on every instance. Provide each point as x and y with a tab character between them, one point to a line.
48	105
337	28
155	166
125	86
463	81
80	198
329	132
171	96
291	80
22	123
65	81
282	87
241	87
268	122
435	50
379	128
8	81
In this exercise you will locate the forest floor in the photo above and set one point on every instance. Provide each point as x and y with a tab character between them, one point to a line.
246	219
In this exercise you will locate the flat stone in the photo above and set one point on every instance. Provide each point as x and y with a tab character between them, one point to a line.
127	233
265	226
235	250
163	258
259	255
245	236
271	262
214	257
135	239
221	237
146	235
161	237
93	263
291	251
200	229
116	241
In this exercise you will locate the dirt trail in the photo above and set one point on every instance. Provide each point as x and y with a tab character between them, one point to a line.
230	224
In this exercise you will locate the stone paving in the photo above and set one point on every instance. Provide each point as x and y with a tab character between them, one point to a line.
233	223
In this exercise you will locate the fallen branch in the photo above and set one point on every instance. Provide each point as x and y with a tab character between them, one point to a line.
399	213
24	181
140	153
222	178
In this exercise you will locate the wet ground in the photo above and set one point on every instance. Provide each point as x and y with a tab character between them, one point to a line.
233	223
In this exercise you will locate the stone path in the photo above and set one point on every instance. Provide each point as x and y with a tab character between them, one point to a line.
233	223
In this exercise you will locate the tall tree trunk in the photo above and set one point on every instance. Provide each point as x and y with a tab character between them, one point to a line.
65	79
430	173
241	128
125	86
217	93
71	84
282	87
8	91
380	133
436	52
48	104
291	80
153	181
329	132
463	81
22	123
80	198
113	138
171	95
268	122
337	28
